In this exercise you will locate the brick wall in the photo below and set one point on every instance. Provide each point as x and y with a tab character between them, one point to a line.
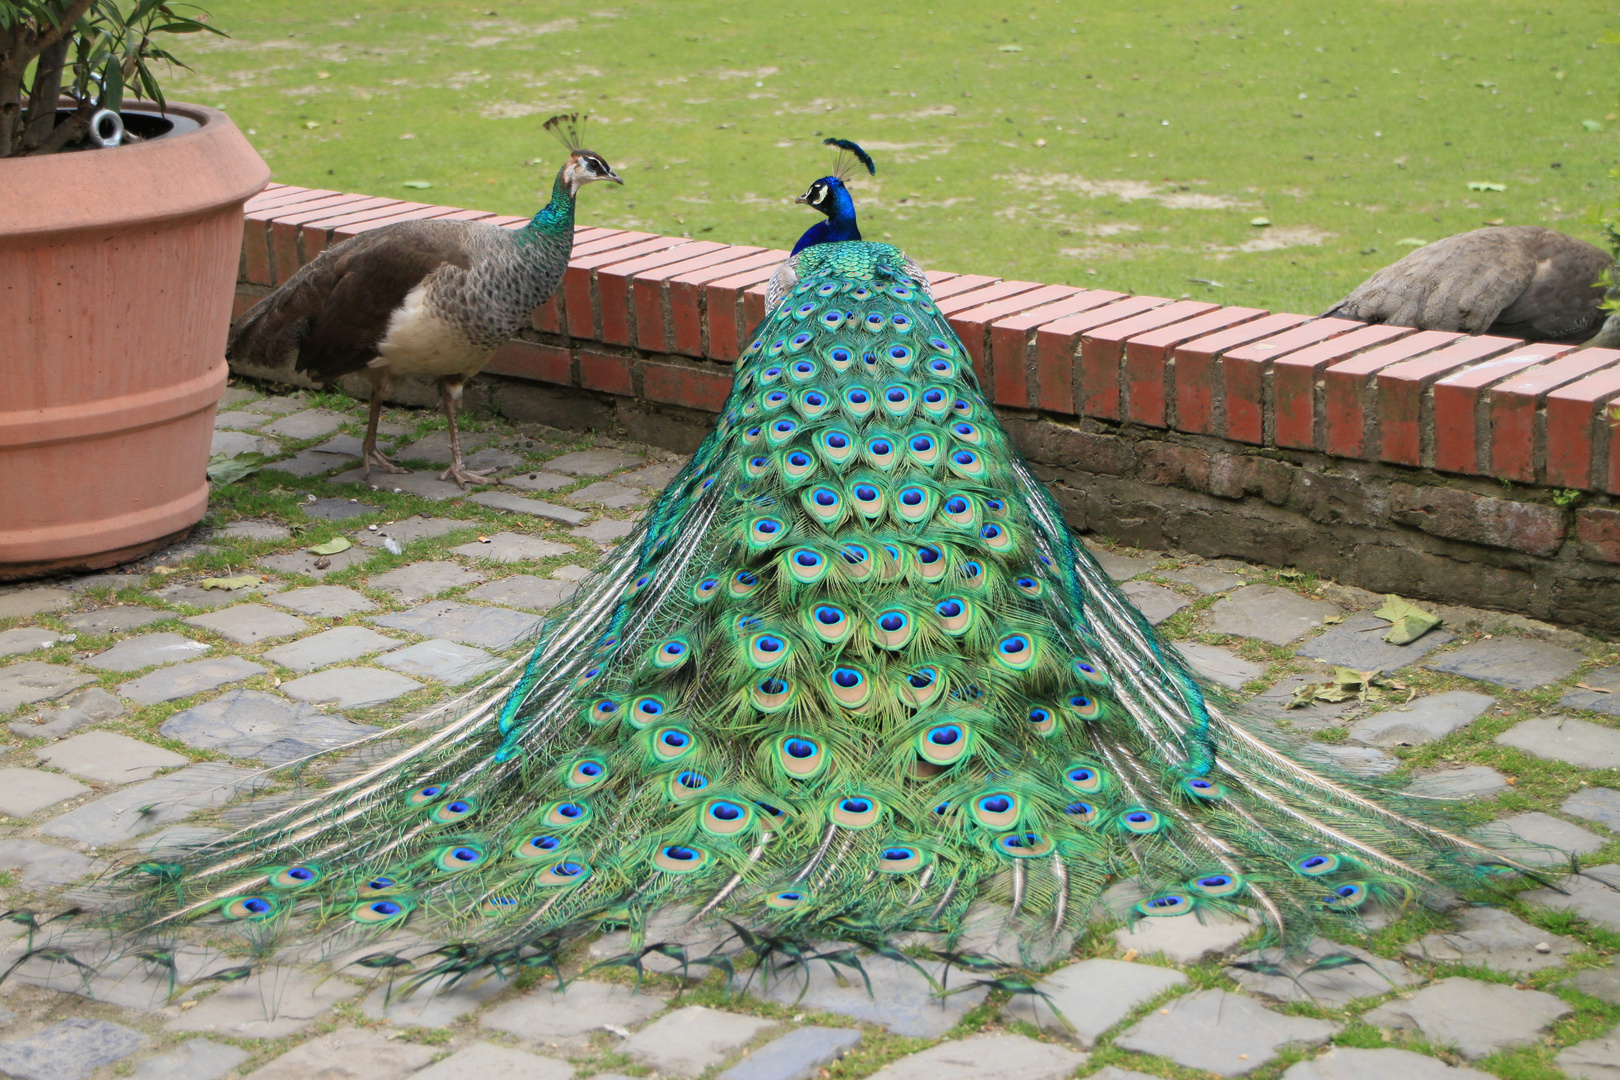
1430	464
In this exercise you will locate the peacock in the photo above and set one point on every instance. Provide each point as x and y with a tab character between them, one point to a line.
851	677
432	298
830	195
1520	281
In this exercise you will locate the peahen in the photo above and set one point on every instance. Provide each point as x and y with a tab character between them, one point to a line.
830	195
1519	281
851	676
431	298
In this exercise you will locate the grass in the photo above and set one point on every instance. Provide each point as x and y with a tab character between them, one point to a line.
1114	145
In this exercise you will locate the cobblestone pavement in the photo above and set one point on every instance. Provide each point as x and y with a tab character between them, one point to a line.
140	708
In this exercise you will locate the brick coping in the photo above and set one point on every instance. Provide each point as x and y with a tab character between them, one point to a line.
1472	406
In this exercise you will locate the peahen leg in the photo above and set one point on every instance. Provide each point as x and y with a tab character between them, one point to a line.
450	393
369	454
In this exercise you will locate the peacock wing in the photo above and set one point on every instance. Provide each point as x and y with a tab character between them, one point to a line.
1461	283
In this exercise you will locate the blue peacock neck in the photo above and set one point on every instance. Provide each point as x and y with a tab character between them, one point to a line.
840	224
554	219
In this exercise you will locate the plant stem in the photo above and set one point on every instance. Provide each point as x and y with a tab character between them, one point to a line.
17	50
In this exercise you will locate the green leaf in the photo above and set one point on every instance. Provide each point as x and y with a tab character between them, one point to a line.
332	546
1410	241
1260	221
224	470
1591	125
1485	185
1012	48
230	584
1409	622
418	183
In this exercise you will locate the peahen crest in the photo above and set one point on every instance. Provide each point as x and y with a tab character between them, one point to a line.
851	677
568	129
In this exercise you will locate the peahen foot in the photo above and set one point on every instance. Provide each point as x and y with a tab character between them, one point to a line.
464	476
376	457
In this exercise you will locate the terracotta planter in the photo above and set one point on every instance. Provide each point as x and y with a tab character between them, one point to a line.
117	271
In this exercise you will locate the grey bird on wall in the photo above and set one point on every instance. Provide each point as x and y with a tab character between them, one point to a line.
1518	281
429	298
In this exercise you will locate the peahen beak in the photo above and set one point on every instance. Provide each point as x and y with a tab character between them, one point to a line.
613	176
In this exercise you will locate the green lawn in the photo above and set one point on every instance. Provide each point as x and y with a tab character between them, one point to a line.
1090	143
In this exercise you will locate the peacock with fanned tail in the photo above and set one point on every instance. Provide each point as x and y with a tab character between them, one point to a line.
851	676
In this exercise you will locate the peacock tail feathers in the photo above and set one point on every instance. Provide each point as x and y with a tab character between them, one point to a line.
851	676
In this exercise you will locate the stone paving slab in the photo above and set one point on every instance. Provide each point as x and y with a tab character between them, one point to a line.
492	459
690	1040
604	531
1092	996
566	1020
486	1061
653	478
270	1004
1330	988
42	865
511	547
1602	983
89	706
279	405
1222	1033
23	791
801	1054
308	463
1478	1018
986	1057
517	504
1123	567
1522	663
115	619
524	591
470	624
1464	782
1269	613
1358	644
238	420
1155	602
1592	695
434	447
538	481
407	531
608	494
194	1059
1491	937
1554	838
596	462
324	601
1275	703
332	646
350	687
1185	939
418	581
236	443
1599	804
1594	895
29	681
109	757
434	1005
1594	1059
139	808
900	999
1421	720
309	424
198	597
1565	738
249	624
424	485
1354	1063
183	680
338	509
1226	668
347	1054
303	562
257	530
253	724
69	1050
27	639
148	650
125	981
444	661
347	445
1208	582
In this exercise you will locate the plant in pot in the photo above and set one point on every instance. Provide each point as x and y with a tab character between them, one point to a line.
120	235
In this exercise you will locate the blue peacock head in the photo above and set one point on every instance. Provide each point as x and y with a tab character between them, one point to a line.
830	195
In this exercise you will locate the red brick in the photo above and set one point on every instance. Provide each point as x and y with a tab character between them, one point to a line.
1347	391
1574	413
316	230
1150	362
284	196
1057	342
401	213
1598	530
972	324
1294	377
1198	373
1513	408
1401	394
548	316
722	306
244	299
578	287
985	294
605	372
1461	423
753	305
613	285
508	221
1102	351
945	286
650	287
687	315
258	261
694	388
285	223
1012	340
530	360
1245	372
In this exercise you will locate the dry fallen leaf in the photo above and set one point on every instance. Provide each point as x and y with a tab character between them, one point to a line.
484	540
1594	689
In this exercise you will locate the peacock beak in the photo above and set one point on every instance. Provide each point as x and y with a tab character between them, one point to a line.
802	199
613	176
